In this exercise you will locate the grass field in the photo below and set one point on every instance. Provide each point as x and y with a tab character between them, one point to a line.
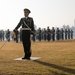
57	58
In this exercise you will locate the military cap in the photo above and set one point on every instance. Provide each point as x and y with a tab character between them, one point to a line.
27	10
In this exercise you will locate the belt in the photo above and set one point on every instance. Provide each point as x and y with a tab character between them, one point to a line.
26	29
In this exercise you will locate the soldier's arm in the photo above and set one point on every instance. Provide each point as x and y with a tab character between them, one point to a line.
32	25
19	24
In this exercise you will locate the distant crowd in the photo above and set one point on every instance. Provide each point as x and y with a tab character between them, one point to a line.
53	34
45	34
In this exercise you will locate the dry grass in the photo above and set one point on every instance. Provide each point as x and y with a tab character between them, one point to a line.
57	58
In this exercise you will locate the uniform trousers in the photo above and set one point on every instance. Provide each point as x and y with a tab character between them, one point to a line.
26	43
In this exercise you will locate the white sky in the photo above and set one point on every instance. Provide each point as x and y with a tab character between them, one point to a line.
52	13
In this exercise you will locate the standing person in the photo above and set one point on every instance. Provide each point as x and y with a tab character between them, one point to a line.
71	34
8	35
0	35
40	32
66	34
53	34
3	35
45	34
27	24
62	34
48	34
58	34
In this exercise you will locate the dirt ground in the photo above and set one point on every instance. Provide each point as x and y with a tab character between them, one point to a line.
57	58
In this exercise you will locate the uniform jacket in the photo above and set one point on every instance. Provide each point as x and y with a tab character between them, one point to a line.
29	21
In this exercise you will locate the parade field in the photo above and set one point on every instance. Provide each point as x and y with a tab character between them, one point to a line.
56	58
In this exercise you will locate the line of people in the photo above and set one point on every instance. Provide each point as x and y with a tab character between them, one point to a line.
40	34
53	34
5	35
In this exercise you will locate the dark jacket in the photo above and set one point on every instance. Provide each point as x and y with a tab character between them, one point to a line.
29	21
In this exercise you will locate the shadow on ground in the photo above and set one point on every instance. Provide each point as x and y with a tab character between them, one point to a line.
68	70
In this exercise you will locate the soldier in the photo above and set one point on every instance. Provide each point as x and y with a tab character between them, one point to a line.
53	34
58	34
71	34
48	34
66	34
3	35
8	35
39	32
45	34
0	35
27	24
62	34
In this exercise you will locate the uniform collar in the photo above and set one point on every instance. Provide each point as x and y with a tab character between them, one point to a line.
26	17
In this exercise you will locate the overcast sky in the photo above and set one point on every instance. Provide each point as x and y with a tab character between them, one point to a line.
52	13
